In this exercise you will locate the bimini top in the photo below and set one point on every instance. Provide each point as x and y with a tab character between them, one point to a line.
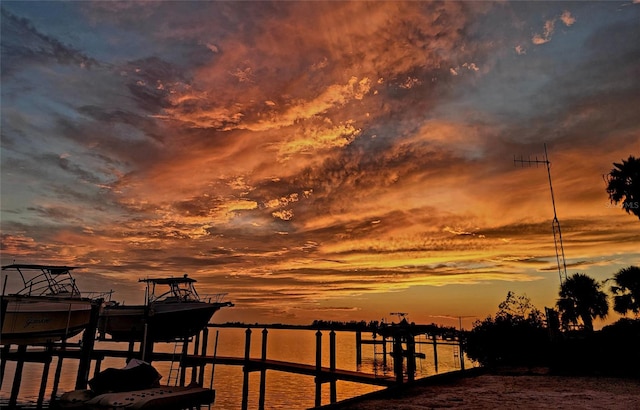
168	281
54	270
50	281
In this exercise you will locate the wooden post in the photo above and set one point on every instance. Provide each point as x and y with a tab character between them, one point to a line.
358	348
99	360
56	378
318	368
245	380
5	350
213	363
205	341
17	378
183	361
411	357
263	370
4	303
332	366
45	377
88	342
384	351
147	345
130	351
3	361
461	353
143	343
196	347
435	351
397	358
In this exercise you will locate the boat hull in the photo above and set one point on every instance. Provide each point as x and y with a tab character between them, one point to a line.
41	320
157	398
164	322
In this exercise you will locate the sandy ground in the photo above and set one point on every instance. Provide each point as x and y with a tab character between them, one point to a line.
491	391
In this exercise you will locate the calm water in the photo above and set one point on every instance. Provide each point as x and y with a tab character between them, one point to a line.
283	390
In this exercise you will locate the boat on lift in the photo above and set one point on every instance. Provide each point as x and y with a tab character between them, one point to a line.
48	307
178	312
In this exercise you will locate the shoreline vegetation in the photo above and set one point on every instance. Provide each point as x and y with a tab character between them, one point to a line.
533	360
363	326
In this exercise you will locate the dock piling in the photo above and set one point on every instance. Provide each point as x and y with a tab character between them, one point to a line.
411	357
88	342
358	348
43	381
56	377
397	359
435	352
3	362
183	361
332	367
384	351
98	365
205	341
17	378
194	369
318	378
263	370
245	378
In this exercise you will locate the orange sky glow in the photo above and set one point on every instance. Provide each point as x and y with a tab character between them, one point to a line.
320	160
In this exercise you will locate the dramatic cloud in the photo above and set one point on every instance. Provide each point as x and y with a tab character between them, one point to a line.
307	156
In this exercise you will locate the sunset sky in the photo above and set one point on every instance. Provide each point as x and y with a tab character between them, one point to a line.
320	160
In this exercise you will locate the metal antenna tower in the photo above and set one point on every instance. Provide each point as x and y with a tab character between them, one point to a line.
557	232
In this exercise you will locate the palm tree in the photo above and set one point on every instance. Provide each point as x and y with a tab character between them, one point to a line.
626	293
623	185
582	299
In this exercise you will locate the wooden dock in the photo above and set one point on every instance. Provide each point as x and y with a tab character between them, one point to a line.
402	347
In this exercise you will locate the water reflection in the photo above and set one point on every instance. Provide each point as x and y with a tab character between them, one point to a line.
283	390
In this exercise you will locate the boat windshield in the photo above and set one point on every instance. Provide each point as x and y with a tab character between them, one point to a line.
179	290
45	280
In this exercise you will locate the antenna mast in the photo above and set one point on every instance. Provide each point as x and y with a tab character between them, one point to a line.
557	232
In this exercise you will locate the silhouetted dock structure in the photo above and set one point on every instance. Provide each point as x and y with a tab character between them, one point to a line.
400	338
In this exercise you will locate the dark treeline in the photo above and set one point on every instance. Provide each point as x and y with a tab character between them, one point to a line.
372	326
563	339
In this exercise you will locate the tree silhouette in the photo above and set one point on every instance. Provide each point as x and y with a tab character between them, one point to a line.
623	185
516	336
581	299
518	308
626	292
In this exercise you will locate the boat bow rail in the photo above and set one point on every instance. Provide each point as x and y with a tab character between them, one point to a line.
216	298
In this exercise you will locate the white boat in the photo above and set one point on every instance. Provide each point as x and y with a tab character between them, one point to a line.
47	309
177	313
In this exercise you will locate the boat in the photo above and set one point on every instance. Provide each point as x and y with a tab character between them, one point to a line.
136	386
154	398
48	308
177	313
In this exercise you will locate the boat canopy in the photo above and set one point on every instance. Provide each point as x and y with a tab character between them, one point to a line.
168	281
181	289
52	280
55	270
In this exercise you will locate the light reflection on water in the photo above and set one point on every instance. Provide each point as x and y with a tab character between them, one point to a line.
283	390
